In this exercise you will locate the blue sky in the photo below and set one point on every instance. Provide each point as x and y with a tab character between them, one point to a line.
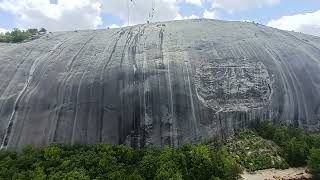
267	13
56	15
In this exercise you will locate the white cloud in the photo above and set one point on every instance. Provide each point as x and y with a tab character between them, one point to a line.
114	26
179	17
86	14
236	5
2	30
194	2
65	15
308	23
210	14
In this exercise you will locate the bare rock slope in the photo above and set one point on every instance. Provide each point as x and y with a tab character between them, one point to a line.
156	84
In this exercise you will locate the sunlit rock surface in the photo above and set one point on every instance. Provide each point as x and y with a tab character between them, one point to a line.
156	84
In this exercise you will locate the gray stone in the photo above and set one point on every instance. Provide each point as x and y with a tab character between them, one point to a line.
157	84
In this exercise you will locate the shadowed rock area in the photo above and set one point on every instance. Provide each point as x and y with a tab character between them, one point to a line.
156	84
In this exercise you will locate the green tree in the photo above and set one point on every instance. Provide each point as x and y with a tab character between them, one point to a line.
227	168
314	162
38	174
171	163
149	164
281	136
201	163
32	31
296	152
43	30
18	35
64	162
72	175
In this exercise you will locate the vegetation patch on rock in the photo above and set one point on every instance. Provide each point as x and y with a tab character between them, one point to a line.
255	153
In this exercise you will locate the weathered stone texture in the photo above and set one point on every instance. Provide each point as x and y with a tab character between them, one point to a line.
156	84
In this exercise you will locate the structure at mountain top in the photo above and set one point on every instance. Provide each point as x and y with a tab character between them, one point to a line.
157	84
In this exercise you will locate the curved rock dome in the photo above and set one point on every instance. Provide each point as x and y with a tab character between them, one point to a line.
156	84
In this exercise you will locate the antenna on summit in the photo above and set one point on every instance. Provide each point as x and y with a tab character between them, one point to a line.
128	6
151	14
153	8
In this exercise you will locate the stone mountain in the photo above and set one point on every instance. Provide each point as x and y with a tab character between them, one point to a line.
157	84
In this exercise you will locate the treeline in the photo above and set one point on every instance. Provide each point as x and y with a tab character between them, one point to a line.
297	147
266	146
118	162
18	35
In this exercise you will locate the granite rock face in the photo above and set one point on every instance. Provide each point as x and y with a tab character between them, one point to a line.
156	84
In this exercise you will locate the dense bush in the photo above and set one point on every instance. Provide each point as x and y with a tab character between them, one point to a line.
57	162
314	162
43	30
118	162
296	144
18	35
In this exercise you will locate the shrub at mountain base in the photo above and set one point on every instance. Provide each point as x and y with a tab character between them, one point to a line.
118	162
267	146
297	147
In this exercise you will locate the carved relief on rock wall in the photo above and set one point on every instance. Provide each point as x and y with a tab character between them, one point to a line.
233	84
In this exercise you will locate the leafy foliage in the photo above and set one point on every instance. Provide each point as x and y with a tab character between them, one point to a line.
205	161
104	161
298	147
19	35
314	162
43	30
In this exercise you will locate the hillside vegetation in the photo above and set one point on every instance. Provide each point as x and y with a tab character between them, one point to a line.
297	147
18	35
250	149
255	153
118	162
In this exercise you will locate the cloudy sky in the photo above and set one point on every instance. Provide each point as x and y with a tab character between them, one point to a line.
57	15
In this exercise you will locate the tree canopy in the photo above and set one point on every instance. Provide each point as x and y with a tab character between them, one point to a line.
17	35
104	161
256	149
